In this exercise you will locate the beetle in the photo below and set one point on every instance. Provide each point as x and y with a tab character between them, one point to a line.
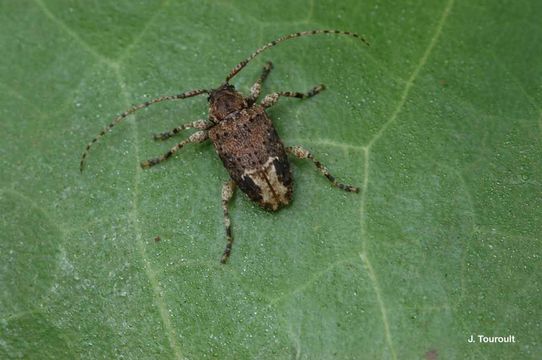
243	137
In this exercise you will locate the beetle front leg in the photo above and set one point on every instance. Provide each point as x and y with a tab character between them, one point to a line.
227	193
198	124
196	137
257	87
301	153
272	99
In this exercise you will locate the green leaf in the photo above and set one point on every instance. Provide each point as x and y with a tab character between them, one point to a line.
439	122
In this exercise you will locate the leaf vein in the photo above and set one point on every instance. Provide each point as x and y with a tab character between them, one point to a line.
143	31
149	271
62	25
310	281
367	148
382	306
415	73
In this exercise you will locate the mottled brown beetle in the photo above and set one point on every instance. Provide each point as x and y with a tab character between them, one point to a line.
244	137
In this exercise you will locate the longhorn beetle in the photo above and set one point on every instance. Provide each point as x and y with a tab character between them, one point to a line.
244	138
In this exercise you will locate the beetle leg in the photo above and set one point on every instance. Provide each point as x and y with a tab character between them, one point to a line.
257	87
272	99
196	137
198	124
227	193
301	153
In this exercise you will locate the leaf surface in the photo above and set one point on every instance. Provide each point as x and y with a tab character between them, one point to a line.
439	122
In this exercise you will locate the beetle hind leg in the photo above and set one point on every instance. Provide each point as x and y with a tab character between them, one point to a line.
302	153
227	193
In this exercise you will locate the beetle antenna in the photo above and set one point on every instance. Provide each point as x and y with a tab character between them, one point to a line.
132	110
243	63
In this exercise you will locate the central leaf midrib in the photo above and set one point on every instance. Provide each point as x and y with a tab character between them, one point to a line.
134	216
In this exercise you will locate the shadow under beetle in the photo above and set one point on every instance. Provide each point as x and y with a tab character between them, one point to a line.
244	137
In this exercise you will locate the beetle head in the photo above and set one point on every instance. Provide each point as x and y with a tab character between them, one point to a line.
224	101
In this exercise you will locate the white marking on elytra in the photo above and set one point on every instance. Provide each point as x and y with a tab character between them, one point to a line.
272	190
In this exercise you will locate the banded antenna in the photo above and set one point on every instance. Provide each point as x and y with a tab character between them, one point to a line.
132	110
243	63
